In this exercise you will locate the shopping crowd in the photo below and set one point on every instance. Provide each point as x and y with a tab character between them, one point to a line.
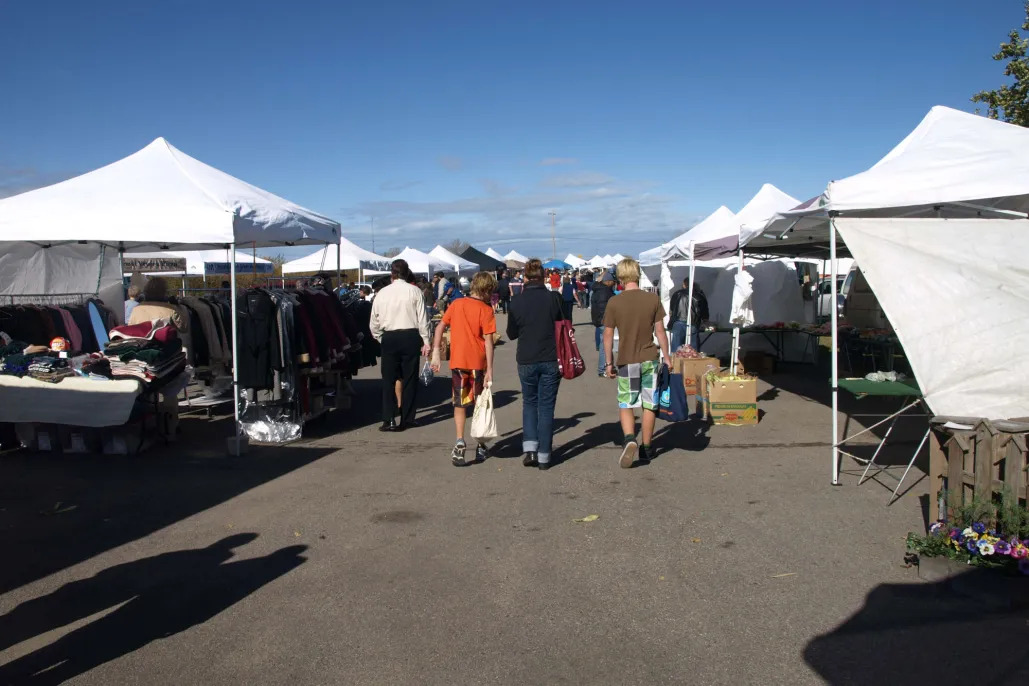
630	339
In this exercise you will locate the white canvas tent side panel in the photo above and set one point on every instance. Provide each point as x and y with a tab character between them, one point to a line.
63	269
957	294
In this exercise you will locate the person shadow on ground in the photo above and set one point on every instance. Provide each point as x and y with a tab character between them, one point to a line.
162	595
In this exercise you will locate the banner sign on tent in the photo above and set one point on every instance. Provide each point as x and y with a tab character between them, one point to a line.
150	265
241	268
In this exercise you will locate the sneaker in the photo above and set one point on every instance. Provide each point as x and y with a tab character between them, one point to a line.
646	454
628	454
457	455
481	453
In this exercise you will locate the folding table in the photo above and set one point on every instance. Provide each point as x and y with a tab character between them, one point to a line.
910	396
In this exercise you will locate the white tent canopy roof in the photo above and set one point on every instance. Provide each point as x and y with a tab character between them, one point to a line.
711	226
456	262
954	164
720	236
423	263
516	256
574	261
160	198
351	256
495	255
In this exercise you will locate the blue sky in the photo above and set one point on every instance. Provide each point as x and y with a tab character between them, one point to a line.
473	120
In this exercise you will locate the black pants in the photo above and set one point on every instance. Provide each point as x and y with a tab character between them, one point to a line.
566	308
504	302
401	352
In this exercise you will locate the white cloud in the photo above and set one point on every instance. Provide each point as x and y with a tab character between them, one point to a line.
557	161
451	163
579	180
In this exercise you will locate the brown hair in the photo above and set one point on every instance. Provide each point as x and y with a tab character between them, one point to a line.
400	271
155	289
534	270
483	285
134	292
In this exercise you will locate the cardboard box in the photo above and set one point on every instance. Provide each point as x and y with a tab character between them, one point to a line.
691	369
759	363
733	402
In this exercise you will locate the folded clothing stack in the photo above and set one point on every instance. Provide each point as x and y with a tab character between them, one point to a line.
96	365
49	369
150	352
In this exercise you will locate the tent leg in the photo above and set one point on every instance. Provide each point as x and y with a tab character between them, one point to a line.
736	329
121	275
236	448
834	314
339	273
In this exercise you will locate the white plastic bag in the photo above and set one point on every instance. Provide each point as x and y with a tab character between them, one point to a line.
427	375
484	421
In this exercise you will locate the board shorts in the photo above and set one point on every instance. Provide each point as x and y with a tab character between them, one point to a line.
637	386
467	386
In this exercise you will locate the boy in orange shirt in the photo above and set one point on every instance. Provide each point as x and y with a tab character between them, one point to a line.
472	324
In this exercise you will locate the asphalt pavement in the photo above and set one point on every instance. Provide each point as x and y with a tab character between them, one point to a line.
357	557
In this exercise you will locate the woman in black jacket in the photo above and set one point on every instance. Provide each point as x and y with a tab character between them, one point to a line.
530	321
603	290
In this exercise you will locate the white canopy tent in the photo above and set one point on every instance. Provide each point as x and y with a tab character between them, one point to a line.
576	262
157	198
459	264
495	255
515	255
953	287
423	263
349	255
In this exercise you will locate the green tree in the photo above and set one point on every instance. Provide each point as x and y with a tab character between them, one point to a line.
1010	102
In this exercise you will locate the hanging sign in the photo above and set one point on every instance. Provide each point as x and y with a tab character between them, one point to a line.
148	265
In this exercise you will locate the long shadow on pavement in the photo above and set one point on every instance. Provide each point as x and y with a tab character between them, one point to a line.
162	595
59	510
950	632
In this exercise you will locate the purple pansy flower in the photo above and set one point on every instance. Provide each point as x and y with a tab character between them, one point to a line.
979	528
1002	547
955	533
972	545
936	528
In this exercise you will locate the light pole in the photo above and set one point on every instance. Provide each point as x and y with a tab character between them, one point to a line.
553	233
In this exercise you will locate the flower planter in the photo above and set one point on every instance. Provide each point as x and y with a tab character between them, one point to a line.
934	569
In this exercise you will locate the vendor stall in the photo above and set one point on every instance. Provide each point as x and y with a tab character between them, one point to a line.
349	255
158	198
939	227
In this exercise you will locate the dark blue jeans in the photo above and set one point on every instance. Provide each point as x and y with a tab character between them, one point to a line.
540	382
601	366
680	332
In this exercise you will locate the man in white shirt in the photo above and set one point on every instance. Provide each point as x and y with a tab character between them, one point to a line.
400	323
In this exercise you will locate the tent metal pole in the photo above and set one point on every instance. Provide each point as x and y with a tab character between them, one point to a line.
121	275
736	328
689	295
339	260
235	348
835	357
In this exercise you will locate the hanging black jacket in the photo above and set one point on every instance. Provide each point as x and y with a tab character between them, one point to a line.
598	302
258	334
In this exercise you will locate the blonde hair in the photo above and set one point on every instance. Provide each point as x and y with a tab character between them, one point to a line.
483	284
628	271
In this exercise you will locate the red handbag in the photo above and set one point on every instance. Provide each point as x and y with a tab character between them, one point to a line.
569	361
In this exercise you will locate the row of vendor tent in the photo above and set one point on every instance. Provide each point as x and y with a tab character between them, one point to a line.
66	241
939	228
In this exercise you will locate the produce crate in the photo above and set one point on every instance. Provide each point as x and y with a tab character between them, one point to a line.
984	462
732	401
691	368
